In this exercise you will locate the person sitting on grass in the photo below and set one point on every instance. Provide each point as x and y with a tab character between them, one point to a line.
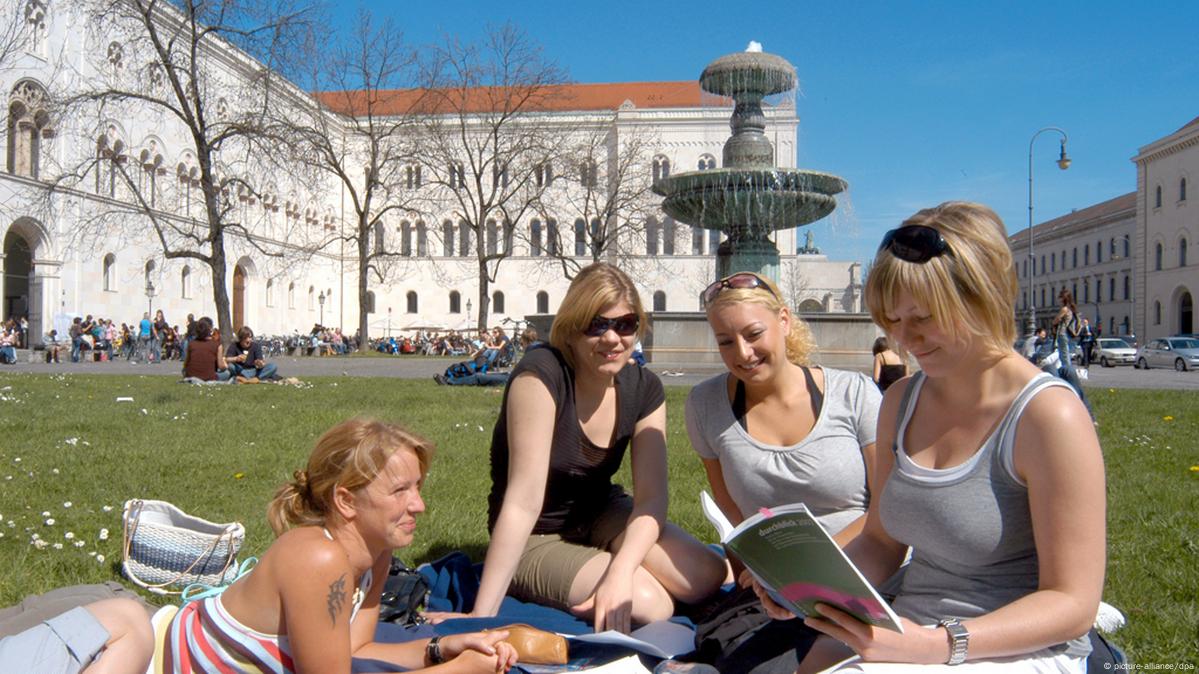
312	602
562	534
988	470
107	636
245	359
204	361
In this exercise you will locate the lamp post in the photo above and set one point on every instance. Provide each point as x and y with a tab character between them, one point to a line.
1063	162
468	312
389	321
150	294
320	299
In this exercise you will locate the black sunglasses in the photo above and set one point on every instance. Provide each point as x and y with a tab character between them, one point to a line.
624	326
740	281
915	243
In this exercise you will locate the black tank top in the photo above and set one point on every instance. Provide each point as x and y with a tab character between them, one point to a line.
889	374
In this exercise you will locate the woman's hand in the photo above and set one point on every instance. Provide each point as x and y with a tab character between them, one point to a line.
490	643
437	617
773	610
917	644
612	603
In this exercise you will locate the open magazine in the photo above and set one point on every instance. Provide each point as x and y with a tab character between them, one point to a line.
798	563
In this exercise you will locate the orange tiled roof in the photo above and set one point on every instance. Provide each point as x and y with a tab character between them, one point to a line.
556	98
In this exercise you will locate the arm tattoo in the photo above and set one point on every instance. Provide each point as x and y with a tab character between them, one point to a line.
337	598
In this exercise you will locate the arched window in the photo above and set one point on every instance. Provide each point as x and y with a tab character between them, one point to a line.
1157	313
668	236
553	243
1053	262
651	236
493	236
28	124
1086	291
706	162
1182	189
1127	246
543	174
535	237
110	154
659	300
1111	289
291	295
1182	252
185	283
497	302
464	248
1086	254
412	302
1157	257
1127	287
457	175
379	237
1157	197
596	238
422	239
311	298
580	237
661	167
270	292
1098	251
455	302
1111	248
447	238
509	235
1098	290
412	177
405	237
110	272
1074	290
499	175
589	173
1074	258
543	302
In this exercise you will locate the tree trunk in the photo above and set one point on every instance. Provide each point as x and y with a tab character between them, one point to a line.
220	293
484	295
363	298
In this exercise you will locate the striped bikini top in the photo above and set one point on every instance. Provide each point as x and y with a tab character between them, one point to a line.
203	637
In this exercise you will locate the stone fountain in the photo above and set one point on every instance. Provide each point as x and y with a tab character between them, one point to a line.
749	197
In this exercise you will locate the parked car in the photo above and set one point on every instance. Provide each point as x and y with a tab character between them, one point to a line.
1110	352
1181	353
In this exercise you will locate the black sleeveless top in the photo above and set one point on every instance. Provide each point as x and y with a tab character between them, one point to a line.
580	478
889	374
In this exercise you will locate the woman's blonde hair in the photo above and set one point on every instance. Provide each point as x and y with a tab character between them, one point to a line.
799	340
350	455
597	287
969	289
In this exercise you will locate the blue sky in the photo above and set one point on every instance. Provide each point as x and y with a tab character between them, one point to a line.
912	103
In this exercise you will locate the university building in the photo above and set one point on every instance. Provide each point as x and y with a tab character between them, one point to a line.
76	238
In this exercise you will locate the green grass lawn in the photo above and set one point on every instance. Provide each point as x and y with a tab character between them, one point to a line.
220	452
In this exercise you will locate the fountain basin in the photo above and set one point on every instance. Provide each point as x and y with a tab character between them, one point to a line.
754	200
754	73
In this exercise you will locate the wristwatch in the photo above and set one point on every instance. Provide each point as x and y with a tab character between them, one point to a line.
433	651
959	640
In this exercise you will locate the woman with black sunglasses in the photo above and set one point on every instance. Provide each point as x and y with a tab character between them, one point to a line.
994	478
562	534
775	430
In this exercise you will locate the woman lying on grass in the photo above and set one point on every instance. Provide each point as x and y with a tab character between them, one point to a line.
312	602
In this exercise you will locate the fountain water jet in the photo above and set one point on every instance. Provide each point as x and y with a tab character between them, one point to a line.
749	198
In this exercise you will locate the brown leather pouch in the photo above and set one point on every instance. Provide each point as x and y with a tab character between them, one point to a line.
536	647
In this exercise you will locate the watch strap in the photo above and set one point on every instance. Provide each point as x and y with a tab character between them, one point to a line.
959	640
433	651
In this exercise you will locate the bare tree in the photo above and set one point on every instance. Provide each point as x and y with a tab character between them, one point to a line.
358	133
15	33
608	164
485	144
178	61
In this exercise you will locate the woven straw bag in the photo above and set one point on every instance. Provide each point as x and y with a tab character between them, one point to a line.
165	549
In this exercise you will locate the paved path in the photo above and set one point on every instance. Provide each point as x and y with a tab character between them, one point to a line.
416	367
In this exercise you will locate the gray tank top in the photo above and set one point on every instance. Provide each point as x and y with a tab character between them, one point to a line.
969	525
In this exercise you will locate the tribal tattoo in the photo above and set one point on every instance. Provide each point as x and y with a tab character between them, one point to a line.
337	598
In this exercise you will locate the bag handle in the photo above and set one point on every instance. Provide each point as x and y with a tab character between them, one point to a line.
130	530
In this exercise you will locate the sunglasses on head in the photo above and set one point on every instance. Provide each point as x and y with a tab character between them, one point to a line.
915	243
624	326
741	281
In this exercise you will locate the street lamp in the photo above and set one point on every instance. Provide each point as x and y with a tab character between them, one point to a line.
320	299
468	312
389	321
1063	162
150	294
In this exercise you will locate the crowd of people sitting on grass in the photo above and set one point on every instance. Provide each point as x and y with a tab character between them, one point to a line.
971	492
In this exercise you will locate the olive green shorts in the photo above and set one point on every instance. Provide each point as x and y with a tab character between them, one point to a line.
550	562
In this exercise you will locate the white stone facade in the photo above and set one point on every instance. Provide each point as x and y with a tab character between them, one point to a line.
58	263
1089	253
1165	234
